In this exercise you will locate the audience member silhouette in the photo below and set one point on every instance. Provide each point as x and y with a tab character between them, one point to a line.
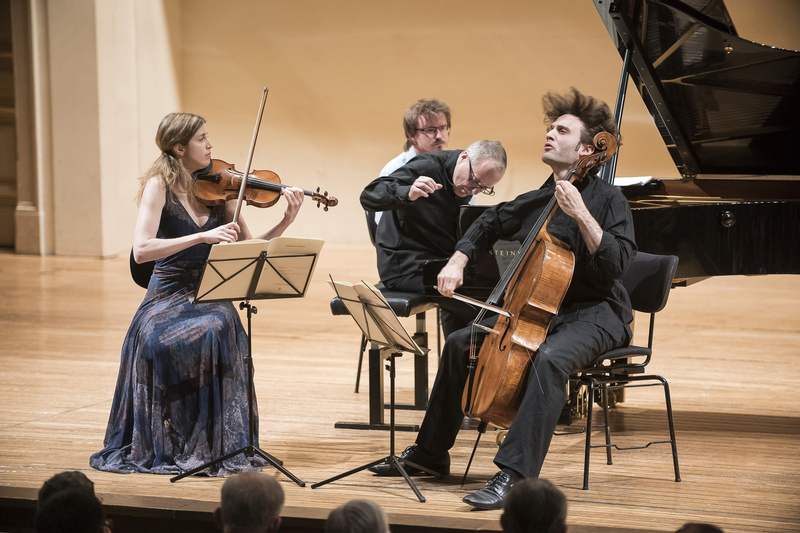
71	479
250	502
357	516
72	510
534	505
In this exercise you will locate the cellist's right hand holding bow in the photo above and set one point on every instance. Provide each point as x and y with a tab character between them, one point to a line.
451	276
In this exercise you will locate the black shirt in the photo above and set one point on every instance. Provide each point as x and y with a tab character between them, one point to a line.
596	293
411	233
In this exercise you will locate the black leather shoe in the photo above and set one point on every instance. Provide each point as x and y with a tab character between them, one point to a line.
437	463
492	495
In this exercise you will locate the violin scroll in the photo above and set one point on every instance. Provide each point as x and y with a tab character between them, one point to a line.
324	199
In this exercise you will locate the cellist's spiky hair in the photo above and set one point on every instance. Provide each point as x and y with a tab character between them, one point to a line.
595	114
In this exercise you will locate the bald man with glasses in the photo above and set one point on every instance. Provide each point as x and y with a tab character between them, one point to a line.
421	202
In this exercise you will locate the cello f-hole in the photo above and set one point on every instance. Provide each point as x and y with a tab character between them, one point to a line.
501	345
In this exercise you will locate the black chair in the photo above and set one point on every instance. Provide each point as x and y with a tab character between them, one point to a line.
648	282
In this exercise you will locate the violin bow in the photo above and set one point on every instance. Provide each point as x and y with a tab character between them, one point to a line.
250	155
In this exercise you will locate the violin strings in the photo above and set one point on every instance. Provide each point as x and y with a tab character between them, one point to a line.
268	185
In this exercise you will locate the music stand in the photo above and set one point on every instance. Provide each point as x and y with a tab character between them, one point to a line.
381	326
232	272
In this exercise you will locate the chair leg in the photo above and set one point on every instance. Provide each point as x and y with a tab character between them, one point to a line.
421	365
360	360
671	429
604	397
594	385
481	431
590	384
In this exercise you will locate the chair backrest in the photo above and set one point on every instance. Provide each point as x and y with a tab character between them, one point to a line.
648	281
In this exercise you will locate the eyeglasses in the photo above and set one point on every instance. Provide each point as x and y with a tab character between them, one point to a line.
431	132
473	182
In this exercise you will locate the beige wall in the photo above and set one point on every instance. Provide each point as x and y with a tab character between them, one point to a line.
340	74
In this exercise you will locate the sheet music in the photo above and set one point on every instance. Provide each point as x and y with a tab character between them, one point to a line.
374	316
620	181
291	265
231	267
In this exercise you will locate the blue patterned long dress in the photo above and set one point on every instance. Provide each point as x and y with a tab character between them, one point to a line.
181	395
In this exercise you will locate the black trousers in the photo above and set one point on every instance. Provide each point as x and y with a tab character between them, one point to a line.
568	347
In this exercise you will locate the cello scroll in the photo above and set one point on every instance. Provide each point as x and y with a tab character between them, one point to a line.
605	147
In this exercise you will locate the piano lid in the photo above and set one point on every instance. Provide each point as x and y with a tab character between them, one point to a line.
725	106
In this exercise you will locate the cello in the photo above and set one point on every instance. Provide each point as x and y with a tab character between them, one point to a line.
532	289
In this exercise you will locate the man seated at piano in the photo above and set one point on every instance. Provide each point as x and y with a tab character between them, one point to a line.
421	202
594	220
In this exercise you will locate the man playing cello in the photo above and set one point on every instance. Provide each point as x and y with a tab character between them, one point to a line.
594	220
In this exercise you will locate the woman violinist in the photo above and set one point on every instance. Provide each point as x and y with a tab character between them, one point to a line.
594	220
180	399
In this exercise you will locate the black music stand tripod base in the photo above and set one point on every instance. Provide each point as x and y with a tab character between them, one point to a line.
248	451
390	459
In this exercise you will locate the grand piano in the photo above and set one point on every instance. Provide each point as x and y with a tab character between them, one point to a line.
728	110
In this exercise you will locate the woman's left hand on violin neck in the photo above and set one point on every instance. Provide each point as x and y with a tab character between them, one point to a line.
294	199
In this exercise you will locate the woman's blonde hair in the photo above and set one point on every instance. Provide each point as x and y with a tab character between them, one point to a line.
175	129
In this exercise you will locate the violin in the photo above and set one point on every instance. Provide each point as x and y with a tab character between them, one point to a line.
220	182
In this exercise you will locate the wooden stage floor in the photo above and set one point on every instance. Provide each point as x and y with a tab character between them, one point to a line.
729	347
